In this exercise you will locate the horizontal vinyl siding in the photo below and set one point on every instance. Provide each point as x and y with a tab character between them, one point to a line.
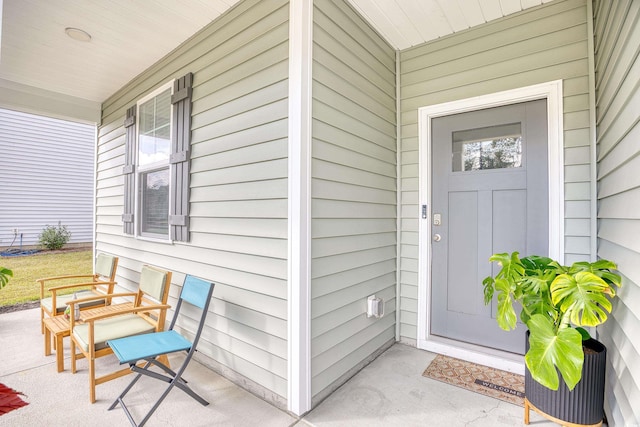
535	46
238	195
46	177
353	194
617	35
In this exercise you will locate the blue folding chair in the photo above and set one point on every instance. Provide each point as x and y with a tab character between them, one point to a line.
148	347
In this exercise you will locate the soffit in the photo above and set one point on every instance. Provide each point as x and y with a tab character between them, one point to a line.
128	36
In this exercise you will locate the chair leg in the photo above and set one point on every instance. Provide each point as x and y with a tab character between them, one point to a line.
73	356
184	387
124	392
92	379
160	364
174	380
47	342
164	359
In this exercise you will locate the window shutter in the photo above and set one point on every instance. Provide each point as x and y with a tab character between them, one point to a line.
180	148
129	167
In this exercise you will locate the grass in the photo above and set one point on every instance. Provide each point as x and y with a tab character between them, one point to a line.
22	287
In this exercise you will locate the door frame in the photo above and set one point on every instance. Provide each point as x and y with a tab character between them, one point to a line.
552	92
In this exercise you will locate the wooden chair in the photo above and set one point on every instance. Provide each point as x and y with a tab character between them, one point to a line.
146	314
149	347
101	285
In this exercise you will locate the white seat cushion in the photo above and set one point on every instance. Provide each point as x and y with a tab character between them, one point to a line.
110	329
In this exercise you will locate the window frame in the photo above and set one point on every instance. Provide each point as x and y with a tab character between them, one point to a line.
179	163
152	167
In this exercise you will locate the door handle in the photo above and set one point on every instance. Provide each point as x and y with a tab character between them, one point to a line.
437	237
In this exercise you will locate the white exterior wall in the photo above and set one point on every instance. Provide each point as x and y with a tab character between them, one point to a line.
46	177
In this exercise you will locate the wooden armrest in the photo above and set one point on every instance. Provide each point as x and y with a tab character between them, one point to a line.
122	311
99	297
68	276
71	276
76	285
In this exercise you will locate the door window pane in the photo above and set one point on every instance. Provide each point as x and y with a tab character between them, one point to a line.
494	147
154	202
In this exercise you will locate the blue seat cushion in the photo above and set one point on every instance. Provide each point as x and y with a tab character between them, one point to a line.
132	349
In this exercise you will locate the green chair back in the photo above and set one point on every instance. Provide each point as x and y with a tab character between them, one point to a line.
106	266
153	283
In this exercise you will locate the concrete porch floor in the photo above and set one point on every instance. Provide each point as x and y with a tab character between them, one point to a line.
391	391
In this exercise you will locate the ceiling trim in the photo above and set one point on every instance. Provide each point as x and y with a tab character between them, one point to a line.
29	99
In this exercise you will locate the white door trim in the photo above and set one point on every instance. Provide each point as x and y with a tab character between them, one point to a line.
552	92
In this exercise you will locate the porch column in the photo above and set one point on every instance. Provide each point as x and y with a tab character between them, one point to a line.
299	238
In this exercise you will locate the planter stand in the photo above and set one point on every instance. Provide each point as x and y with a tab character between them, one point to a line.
528	406
581	407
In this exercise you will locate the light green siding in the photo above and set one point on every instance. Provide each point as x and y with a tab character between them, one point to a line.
538	45
353	194
617	37
238	189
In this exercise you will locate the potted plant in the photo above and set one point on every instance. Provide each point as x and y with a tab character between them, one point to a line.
556	303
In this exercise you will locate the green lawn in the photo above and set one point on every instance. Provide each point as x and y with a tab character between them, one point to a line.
22	287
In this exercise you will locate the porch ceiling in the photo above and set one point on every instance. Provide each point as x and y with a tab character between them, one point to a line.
38	58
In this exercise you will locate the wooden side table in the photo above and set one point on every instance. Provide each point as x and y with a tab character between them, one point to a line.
58	326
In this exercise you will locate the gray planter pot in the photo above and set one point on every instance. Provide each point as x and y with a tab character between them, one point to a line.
585	403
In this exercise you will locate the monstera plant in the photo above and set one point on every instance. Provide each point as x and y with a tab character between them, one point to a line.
556	303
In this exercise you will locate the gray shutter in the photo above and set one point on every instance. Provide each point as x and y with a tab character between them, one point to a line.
180	147
128	170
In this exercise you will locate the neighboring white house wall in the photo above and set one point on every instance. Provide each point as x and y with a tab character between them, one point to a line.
539	45
353	247
46	177
238	194
617	37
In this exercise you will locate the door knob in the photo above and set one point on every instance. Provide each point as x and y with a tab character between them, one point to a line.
437	237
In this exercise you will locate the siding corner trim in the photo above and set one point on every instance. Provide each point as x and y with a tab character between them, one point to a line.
299	211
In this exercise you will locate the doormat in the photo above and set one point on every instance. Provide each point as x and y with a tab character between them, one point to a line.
9	400
491	382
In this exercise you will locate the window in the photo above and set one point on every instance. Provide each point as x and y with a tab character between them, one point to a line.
156	171
494	147
153	153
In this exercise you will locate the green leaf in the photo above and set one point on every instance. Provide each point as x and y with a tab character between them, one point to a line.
584	333
537	304
583	297
488	283
536	262
550	350
611	278
5	273
506	317
603	264
512	268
